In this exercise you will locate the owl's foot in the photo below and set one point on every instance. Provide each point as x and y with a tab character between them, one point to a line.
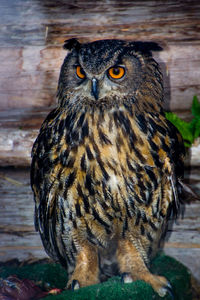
132	266
86	270
158	283
126	278
75	285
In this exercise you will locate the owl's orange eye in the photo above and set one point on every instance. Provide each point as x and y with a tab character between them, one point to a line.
80	73
116	72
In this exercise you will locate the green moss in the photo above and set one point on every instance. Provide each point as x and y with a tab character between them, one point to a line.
55	276
176	273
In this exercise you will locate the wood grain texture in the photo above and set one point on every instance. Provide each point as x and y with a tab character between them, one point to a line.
32	34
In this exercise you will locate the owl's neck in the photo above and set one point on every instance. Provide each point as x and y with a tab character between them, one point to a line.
140	102
81	123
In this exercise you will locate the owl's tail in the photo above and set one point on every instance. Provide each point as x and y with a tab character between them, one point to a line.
186	193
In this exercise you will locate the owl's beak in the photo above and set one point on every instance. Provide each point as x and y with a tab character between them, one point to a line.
94	90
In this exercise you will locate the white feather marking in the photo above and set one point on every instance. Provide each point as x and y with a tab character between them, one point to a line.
113	182
174	191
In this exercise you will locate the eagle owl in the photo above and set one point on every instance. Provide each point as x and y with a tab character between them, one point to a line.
106	164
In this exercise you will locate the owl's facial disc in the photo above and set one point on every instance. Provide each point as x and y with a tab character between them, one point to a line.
100	85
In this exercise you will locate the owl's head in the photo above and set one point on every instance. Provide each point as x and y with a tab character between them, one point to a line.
106	72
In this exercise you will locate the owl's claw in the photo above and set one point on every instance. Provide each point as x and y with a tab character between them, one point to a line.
170	291
166	289
126	278
75	285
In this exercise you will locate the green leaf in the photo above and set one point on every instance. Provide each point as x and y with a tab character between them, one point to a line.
197	128
195	107
189	130
186	129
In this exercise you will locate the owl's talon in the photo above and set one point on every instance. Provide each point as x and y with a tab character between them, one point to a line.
166	289
126	278
170	291
75	285
169	285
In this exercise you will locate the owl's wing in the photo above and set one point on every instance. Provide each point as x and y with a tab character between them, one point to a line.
45	187
176	155
177	151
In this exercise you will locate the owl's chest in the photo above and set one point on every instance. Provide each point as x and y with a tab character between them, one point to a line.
105	170
110	143
107	154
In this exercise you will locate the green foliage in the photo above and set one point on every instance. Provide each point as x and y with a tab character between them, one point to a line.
189	130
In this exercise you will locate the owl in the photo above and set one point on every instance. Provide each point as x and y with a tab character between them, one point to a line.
106	165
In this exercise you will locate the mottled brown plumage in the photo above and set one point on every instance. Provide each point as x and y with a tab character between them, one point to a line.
106	164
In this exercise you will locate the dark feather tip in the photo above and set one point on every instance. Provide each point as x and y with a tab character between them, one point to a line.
71	44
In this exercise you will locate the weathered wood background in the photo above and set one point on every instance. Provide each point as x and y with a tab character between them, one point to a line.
32	33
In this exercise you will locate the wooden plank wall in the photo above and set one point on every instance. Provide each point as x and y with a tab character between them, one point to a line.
31	37
32	34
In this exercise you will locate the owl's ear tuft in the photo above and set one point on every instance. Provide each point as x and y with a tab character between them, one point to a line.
71	44
146	47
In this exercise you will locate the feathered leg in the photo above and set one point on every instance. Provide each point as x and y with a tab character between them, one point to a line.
131	262
86	271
